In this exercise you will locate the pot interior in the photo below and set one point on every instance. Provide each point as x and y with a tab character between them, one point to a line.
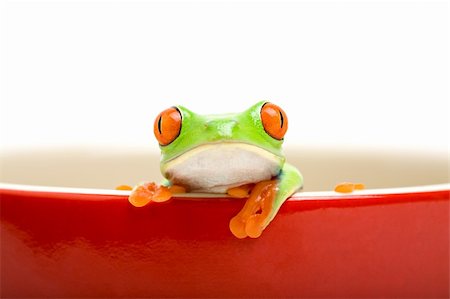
106	168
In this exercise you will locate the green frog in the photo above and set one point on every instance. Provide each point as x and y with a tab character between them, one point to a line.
238	154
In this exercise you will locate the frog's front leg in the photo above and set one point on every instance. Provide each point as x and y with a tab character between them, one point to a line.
264	202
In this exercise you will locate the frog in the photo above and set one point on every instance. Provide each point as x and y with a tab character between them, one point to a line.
237	154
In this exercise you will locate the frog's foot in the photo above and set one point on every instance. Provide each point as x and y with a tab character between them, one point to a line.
240	191
348	187
145	193
257	211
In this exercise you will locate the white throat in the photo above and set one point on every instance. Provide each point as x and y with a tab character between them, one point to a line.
217	167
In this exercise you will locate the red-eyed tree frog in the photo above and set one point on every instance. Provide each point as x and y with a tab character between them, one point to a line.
239	154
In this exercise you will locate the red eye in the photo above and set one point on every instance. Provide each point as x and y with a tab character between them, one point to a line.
274	120
167	126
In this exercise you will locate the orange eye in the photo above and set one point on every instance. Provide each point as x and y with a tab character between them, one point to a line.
274	120
167	126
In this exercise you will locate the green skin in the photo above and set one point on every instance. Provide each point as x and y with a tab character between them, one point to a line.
245	127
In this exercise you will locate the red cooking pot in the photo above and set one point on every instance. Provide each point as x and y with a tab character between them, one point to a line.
58	240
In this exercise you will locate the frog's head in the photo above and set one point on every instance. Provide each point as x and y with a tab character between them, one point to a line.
181	133
179	130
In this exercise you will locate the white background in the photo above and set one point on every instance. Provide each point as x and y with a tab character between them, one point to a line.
359	74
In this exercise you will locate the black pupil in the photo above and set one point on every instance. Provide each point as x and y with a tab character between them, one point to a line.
282	119
159	124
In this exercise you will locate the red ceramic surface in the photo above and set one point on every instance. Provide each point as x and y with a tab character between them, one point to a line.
57	244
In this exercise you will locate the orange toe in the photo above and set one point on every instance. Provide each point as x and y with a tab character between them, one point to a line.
253	226
240	191
237	227
177	189
124	187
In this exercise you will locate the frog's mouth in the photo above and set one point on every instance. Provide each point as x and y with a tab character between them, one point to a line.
217	167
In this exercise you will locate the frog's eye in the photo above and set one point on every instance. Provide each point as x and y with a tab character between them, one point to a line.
167	126
274	120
